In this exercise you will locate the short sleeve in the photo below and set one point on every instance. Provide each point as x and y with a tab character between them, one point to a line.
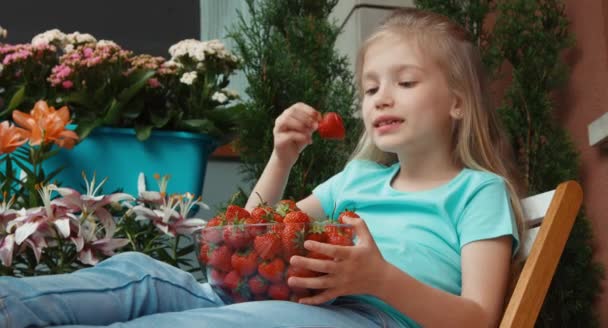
328	191
488	214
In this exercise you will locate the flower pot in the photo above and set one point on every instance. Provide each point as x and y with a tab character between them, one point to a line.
117	154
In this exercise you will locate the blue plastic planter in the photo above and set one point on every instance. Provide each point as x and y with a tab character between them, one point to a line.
117	154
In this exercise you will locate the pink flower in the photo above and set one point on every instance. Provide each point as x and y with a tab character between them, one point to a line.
153	83
88	52
89	204
67	84
7	246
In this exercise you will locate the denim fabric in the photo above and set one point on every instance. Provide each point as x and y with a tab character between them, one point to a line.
133	290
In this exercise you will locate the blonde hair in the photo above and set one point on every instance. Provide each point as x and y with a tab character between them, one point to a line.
479	142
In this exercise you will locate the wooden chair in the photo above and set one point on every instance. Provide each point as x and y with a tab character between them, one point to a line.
549	217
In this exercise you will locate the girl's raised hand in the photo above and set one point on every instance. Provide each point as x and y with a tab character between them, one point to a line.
354	270
293	131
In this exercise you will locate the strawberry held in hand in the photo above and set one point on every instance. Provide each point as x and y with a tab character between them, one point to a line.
331	126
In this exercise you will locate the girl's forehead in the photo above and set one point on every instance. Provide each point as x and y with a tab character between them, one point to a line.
394	52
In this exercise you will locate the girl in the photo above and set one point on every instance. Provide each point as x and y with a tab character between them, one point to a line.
438	209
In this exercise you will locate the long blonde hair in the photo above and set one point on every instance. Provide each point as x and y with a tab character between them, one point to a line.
478	138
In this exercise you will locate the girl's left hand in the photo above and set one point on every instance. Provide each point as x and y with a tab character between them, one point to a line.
354	270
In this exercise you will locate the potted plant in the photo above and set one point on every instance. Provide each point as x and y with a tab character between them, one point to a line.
124	106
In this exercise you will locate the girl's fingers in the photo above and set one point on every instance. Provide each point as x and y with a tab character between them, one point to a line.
324	266
334	251
321	282
297	137
325	296
305	114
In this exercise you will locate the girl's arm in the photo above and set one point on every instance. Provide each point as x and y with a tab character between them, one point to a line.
485	277
292	133
361	269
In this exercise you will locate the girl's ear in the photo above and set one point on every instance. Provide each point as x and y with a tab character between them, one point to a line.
457	110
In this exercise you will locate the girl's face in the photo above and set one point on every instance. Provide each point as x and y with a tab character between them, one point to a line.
407	105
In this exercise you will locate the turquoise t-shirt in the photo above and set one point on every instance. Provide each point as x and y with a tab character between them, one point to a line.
422	232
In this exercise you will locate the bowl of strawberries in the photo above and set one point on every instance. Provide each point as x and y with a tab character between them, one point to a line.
245	255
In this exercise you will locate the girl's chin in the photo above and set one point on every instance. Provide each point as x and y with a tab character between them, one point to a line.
389	147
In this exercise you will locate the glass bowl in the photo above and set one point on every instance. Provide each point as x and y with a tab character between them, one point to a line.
249	262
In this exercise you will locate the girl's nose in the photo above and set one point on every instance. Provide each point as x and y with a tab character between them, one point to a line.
384	98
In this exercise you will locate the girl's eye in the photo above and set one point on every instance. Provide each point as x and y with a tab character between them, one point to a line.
371	91
408	84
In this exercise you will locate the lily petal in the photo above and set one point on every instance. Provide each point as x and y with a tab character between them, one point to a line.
26	230
107	246
119	196
63	225
78	242
86	257
189	226
6	250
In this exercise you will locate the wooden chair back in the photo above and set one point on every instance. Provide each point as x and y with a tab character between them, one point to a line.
549	219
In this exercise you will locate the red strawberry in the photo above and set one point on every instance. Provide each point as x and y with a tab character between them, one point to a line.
264	213
319	256
338	229
339	239
255	226
217	277
347	213
316	233
238	298
257	285
285	206
233	281
219	258
279	291
237	236
246	263
292	238
272	270
296	217
277	228
293	271
267	245
203	255
234	212
277	217
212	233
331	126
299	292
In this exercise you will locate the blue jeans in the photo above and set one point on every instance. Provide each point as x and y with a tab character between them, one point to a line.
134	290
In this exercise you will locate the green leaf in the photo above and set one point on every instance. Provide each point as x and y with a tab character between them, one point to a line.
160	121
84	128
15	101
113	112
137	80
79	98
185	250
49	177
143	131
25	168
198	124
133	109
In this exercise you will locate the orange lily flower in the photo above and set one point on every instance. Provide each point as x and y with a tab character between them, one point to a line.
11	137
45	124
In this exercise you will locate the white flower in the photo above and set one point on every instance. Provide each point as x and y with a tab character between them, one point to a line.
68	48
231	93
3	32
188	78
1	68
219	97
103	43
49	37
79	38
